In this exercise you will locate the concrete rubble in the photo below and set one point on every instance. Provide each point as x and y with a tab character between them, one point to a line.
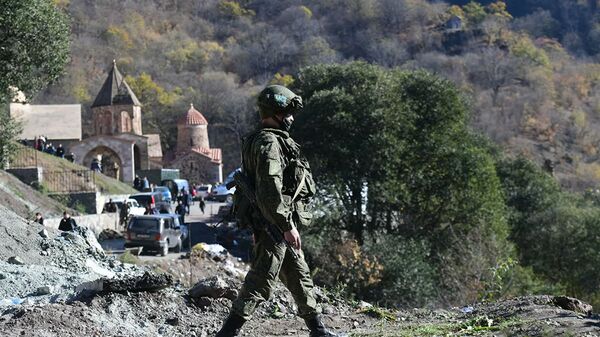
40	265
213	287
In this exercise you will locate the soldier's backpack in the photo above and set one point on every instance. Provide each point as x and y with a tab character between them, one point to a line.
243	209
299	187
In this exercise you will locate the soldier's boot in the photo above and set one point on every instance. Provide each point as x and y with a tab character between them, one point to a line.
231	326
317	328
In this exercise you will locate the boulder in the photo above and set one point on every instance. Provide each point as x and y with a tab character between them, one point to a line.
572	304
174	321
16	260
109	234
44	290
213	287
203	302
149	281
91	240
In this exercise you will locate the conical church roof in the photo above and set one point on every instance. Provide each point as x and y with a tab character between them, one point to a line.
115	91
192	117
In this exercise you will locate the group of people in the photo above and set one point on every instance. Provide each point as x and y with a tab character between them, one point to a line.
67	223
141	184
111	207
96	165
41	143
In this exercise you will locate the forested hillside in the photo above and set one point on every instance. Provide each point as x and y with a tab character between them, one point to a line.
527	67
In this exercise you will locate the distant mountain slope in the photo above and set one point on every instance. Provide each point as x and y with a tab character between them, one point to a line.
529	74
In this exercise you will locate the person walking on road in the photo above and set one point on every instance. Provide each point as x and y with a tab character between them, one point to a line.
124	214
202	204
193	194
180	210
185	199
283	186
111	207
150	210
67	223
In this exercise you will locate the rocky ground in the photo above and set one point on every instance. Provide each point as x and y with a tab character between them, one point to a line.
52	284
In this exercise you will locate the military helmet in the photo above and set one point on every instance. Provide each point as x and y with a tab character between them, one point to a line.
277	98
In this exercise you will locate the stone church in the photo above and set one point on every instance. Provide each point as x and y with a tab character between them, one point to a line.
195	159
115	136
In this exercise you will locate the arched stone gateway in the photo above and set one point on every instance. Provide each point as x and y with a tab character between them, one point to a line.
117	155
110	160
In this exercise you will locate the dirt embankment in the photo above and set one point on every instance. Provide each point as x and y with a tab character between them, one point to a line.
57	284
26	201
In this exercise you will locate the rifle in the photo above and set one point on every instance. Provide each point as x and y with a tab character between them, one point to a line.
240	181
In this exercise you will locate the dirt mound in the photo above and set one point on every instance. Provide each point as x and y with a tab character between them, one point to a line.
19	238
40	265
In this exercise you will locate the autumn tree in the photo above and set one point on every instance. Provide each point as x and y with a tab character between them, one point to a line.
34	48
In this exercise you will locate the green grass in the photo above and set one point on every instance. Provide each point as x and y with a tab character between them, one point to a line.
18	193
79	207
478	326
379	313
127	257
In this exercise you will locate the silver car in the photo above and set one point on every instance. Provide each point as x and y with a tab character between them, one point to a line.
155	233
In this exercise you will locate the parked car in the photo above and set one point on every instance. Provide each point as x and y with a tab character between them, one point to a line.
154	200
165	191
175	186
221	192
154	233
134	206
203	191
183	227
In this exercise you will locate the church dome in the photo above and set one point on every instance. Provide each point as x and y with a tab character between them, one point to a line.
192	117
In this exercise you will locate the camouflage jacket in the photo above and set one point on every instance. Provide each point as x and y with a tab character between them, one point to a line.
282	179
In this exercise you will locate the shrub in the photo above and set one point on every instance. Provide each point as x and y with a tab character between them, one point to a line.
347	265
409	277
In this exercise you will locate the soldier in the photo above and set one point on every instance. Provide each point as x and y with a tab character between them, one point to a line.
283	186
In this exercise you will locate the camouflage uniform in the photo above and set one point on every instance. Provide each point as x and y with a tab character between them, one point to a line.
272	159
283	186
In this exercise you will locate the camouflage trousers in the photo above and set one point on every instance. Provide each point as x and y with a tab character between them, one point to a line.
272	260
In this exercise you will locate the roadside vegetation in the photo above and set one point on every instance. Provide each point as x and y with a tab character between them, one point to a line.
417	209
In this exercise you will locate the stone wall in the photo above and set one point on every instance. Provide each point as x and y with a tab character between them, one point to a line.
93	202
87	202
198	169
28	175
189	136
95	222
